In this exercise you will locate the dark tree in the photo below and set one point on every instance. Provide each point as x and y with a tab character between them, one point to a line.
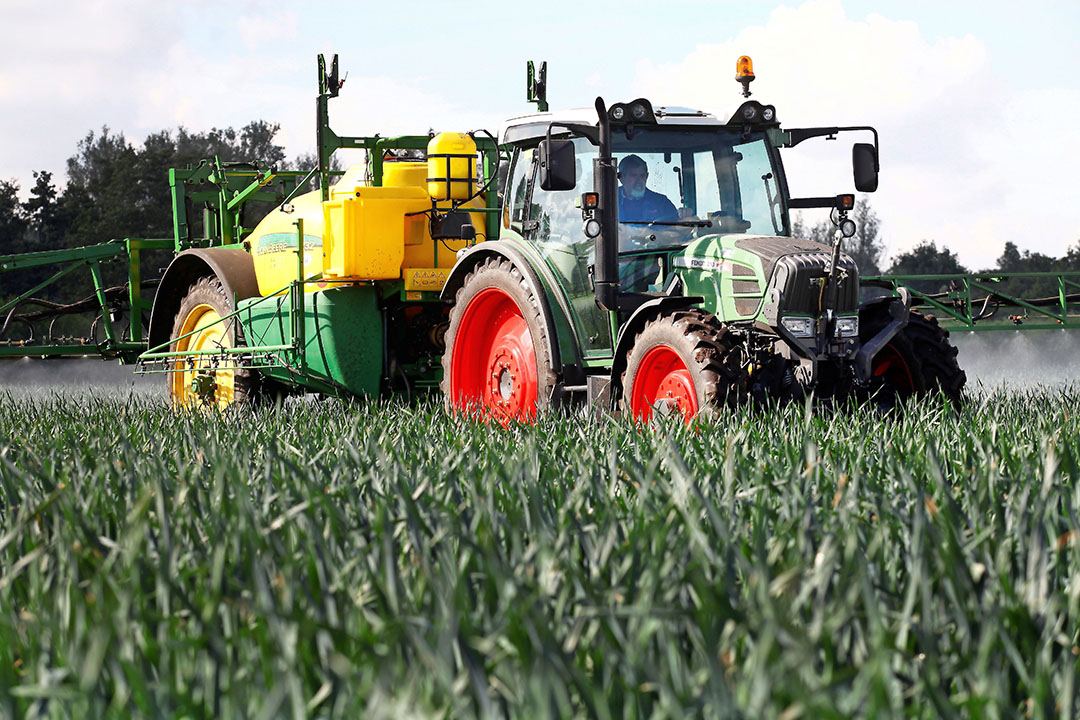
1012	260
116	190
46	217
13	223
305	162
866	247
1071	260
257	145
926	259
103	190
16	237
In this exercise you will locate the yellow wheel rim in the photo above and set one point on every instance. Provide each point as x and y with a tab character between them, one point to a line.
199	383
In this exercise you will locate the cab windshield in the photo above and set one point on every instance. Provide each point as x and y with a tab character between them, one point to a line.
677	185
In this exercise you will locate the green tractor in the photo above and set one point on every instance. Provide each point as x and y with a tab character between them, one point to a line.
645	263
632	258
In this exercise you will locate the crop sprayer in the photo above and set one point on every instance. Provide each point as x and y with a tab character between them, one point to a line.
632	257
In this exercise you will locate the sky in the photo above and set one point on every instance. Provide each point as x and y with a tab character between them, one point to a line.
974	101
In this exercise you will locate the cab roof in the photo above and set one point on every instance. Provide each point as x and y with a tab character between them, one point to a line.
535	125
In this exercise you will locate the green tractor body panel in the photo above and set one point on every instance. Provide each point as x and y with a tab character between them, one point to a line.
732	280
343	337
568	325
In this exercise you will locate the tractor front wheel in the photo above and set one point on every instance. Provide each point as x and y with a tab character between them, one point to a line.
683	364
497	362
919	360
210	380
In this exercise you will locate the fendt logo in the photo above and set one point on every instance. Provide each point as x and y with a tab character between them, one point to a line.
696	263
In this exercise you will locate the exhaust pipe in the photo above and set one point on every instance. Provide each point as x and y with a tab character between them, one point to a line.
606	267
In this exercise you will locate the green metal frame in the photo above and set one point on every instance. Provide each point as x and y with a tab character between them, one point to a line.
67	261
223	189
962	305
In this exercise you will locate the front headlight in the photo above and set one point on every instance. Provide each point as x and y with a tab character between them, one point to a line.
802	327
847	326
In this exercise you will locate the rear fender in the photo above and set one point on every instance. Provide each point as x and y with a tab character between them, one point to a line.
232	266
480	252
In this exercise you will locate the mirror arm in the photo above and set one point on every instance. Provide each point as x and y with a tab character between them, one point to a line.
589	132
814	202
798	135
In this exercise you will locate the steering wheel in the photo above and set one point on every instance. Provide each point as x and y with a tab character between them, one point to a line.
728	221
637	236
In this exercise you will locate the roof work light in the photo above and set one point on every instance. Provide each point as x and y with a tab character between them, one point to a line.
638	111
744	73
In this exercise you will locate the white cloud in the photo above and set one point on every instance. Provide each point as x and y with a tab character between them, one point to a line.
70	69
261	30
129	65
965	160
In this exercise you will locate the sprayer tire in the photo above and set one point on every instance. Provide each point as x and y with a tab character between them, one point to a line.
688	360
497	363
919	360
206	301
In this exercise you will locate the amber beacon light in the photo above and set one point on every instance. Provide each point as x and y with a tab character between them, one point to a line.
744	73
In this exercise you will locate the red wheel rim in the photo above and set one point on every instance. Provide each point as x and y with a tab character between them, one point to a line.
493	365
662	380
890	366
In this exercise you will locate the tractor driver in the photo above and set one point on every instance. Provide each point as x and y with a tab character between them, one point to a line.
637	203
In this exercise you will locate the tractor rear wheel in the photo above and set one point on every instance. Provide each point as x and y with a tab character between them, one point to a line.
497	362
919	360
685	363
208	381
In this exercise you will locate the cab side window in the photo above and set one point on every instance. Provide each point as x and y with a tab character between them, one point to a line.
557	213
519	188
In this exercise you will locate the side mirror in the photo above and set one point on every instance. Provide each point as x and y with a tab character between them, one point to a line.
865	162
558	171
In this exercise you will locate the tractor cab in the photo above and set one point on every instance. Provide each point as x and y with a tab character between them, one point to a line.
683	175
683	179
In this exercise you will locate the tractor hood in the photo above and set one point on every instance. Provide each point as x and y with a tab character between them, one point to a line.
737	272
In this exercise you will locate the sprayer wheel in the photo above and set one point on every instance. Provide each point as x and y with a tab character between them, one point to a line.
208	381
497	362
685	363
918	361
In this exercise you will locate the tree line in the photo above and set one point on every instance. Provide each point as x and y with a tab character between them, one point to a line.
118	189
867	248
115	189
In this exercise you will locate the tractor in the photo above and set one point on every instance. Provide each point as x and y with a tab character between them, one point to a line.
685	297
631	257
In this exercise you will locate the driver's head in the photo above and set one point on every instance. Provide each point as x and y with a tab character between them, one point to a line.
633	172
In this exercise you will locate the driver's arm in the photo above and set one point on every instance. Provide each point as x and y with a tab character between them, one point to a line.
665	211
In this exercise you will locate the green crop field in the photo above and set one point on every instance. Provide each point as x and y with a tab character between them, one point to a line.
379	560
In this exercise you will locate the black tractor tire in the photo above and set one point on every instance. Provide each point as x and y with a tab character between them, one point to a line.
918	361
485	369
710	359
247	384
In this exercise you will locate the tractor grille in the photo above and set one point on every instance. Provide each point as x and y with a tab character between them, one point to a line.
799	276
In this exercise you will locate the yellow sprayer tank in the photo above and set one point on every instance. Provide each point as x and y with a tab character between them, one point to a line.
273	243
365	232
451	163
